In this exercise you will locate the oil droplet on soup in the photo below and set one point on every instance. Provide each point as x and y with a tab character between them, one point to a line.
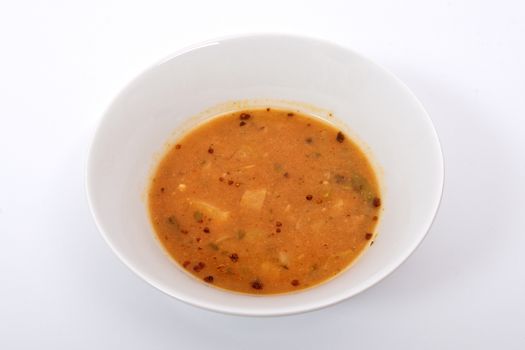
264	201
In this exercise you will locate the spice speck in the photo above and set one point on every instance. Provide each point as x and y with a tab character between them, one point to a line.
208	279
199	267
257	285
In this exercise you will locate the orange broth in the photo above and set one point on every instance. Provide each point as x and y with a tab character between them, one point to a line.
264	201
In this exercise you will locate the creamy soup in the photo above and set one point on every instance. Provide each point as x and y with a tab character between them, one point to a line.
264	201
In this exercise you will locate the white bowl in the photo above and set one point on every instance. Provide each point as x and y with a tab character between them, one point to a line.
306	74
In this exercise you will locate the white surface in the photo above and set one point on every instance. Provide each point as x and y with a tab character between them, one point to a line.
171	97
60	285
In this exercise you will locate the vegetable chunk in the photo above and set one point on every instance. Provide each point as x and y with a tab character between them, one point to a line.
253	199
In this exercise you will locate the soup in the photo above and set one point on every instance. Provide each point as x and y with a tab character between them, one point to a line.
264	201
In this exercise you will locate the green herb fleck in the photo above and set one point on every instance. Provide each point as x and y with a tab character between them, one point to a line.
173	221
241	234
197	216
314	155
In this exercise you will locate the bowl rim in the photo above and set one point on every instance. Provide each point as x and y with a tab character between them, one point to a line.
306	307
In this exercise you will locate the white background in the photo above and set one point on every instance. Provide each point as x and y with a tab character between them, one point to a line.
62	62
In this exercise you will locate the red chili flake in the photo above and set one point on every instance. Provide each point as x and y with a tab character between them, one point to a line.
206	230
162	189
309	197
368	236
278	223
267	109
290	114
295	283
376	202
186	263
245	116
199	267
286	175
309	140
278	230
230	182
340	137
242	123
234	257
257	285
208	279
177	146
210	150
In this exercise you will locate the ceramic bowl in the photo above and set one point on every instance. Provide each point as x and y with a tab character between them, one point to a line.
306	74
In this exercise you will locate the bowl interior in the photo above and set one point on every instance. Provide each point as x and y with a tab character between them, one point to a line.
300	73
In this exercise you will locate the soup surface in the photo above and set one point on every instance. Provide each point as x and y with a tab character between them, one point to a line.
264	201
